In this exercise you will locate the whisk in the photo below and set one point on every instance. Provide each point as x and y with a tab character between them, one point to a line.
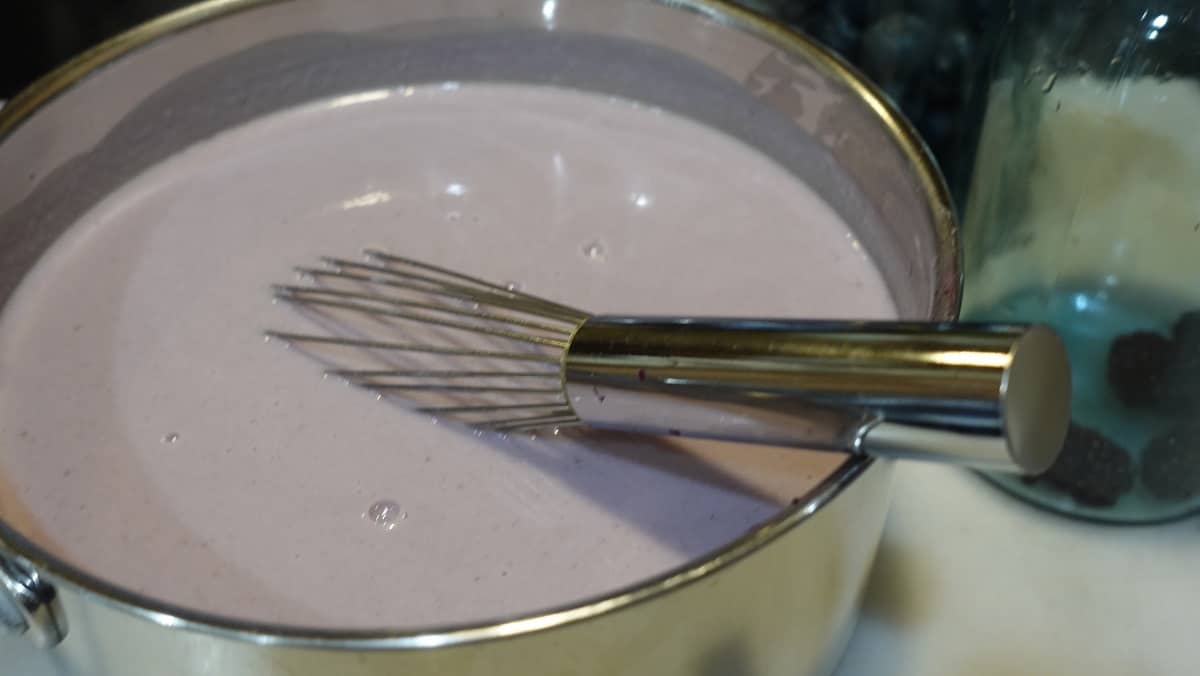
494	357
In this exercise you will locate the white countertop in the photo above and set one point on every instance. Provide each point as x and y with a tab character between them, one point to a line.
970	582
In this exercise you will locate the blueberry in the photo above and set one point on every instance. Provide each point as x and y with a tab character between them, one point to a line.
839	34
1091	468
1171	464
937	11
1187	327
898	46
857	13
939	128
948	69
1138	364
896	53
1183	382
986	15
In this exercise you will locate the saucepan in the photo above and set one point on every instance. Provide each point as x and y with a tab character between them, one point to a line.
780	599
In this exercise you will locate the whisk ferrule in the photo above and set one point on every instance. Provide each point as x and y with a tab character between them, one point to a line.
989	396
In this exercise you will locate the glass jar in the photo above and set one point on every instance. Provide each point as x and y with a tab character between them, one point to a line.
1084	212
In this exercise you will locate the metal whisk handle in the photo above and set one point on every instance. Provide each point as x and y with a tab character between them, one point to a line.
987	396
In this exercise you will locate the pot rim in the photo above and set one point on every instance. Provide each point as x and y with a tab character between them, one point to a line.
945	308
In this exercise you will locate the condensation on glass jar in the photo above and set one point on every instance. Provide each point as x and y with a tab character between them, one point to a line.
1084	212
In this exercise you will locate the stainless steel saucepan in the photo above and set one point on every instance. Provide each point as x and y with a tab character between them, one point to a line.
780	600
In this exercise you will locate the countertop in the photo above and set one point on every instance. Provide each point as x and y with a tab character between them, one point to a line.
970	582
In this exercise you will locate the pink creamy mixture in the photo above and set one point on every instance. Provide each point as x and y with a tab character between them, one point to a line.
152	436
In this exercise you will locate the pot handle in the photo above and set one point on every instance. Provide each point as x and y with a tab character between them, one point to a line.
29	605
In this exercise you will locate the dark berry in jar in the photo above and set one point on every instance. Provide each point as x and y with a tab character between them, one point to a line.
1183	381
1092	469
1171	464
1138	363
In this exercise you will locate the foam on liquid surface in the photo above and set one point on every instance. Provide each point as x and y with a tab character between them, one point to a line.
150	435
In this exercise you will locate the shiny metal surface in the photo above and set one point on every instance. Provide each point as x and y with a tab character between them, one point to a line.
787	613
30	606
985	396
787	592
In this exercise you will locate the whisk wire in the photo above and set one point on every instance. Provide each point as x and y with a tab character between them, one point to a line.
427	286
568	311
476	290
440	387
287	337
564	418
351	374
292	293
315	298
463	321
494	408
